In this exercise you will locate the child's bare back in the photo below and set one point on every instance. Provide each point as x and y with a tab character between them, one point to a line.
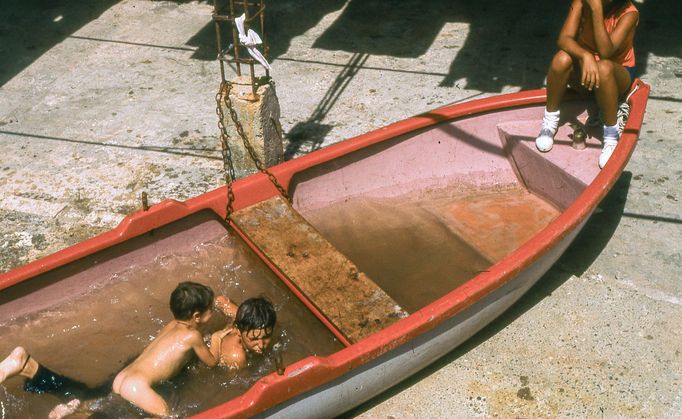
161	360
170	351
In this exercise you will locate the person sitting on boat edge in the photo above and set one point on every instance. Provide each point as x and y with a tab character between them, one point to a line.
596	53
192	306
251	333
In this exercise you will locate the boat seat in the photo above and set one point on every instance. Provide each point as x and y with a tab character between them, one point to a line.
348	298
559	175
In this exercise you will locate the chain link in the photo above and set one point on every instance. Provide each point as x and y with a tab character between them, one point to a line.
223	97
228	166
252	152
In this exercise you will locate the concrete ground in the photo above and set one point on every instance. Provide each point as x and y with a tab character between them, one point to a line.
100	101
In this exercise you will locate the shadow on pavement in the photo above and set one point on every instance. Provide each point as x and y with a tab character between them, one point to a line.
310	134
29	28
505	40
659	32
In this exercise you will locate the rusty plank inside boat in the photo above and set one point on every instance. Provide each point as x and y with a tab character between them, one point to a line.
347	297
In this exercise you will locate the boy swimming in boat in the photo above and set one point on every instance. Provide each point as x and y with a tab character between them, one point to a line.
171	350
251	332
192	306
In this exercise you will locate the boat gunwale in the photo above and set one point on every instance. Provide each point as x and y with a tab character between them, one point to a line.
310	372
256	187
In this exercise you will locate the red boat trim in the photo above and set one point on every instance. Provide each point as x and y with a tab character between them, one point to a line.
256	188
310	372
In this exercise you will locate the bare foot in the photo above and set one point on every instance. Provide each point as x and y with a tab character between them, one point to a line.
65	409
13	364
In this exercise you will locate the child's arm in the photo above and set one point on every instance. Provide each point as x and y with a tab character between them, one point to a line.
217	342
235	361
204	354
228	351
610	45
226	306
568	42
569	31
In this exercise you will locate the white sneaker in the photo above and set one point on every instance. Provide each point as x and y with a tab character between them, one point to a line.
550	124
622	116
545	140
606	151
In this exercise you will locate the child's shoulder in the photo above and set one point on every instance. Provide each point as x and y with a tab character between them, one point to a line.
232	352
630	7
623	9
180	332
232	339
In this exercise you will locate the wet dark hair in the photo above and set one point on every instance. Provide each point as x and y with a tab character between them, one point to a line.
614	7
255	313
189	298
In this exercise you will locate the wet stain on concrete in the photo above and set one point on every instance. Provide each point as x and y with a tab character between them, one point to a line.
81	203
524	392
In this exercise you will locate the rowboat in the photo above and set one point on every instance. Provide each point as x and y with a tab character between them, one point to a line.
400	243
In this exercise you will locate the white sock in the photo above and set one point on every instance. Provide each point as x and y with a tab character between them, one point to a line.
550	120
611	132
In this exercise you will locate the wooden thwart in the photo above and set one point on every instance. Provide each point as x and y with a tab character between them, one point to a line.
349	299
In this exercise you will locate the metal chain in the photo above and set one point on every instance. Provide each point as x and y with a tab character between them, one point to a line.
228	166
240	130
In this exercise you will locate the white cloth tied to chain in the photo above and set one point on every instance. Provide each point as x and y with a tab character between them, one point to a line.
250	39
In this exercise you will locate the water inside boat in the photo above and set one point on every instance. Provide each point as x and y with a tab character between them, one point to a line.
420	246
435	239
91	336
422	213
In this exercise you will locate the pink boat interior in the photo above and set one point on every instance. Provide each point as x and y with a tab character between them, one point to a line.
420	214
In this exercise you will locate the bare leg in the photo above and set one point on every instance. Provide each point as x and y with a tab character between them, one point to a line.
614	81
65	409
18	362
139	393
560	70
557	78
